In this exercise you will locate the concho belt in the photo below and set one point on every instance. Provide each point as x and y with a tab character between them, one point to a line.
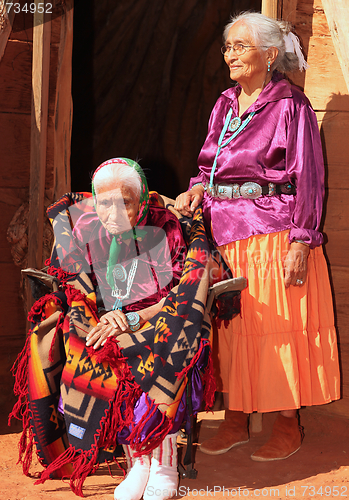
248	190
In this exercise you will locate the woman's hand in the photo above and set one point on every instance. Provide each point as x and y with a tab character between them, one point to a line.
187	202
112	324
295	264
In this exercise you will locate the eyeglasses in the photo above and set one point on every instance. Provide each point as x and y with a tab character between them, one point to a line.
238	48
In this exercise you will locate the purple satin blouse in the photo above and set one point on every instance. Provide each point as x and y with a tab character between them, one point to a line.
280	144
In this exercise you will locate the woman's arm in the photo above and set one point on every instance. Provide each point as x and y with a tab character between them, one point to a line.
304	165
187	202
305	169
295	264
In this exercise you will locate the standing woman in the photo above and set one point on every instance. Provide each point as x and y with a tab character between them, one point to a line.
261	184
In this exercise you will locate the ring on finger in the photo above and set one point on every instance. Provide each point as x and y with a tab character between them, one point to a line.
299	282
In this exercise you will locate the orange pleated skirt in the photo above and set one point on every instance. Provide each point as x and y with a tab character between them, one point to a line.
280	353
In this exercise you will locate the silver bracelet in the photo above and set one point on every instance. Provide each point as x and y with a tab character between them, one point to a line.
133	321
198	184
301	241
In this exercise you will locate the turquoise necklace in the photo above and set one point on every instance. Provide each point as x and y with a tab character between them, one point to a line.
233	124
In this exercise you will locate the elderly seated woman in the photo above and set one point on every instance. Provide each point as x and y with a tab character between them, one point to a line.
135	254
123	340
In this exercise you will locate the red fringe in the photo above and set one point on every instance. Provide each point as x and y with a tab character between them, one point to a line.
185	370
84	466
153	439
209	383
26	446
58	327
21	409
128	392
111	354
62	276
37	312
85	462
20	372
73	294
65	458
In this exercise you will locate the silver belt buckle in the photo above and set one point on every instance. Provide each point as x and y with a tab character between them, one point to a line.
211	190
251	190
224	191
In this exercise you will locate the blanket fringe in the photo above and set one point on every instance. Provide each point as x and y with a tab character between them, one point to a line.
209	383
68	457
153	439
74	295
129	392
57	329
37	313
184	372
26	446
21	410
62	276
20	371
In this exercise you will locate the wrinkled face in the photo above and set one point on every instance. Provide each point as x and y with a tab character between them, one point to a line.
116	206
252	64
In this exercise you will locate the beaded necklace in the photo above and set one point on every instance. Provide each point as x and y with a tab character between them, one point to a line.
233	123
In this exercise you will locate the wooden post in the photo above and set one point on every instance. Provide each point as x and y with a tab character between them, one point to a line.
39	113
289	11
6	21
63	117
337	14
270	8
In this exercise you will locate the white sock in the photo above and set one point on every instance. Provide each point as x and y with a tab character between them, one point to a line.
163	478
132	487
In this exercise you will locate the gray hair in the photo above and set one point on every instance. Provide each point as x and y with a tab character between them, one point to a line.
124	174
268	32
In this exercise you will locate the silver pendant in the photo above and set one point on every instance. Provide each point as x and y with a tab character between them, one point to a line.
119	273
234	124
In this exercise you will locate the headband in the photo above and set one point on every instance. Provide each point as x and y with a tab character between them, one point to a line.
143	208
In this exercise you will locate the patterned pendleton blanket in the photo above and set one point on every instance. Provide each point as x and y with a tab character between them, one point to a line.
100	389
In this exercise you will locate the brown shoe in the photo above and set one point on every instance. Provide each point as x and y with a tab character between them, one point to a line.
232	432
285	440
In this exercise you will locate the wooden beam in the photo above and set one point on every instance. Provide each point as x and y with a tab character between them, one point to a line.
40	88
289	11
6	22
271	8
63	118
337	14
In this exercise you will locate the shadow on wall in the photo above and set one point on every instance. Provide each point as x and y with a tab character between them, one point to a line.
333	130
145	79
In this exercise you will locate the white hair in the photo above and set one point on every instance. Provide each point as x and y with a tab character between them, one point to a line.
268	32
124	174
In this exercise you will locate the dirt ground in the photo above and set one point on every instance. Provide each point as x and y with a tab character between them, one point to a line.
320	469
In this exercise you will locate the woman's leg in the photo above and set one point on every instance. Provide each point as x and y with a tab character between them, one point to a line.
289	413
132	487
286	438
163	479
